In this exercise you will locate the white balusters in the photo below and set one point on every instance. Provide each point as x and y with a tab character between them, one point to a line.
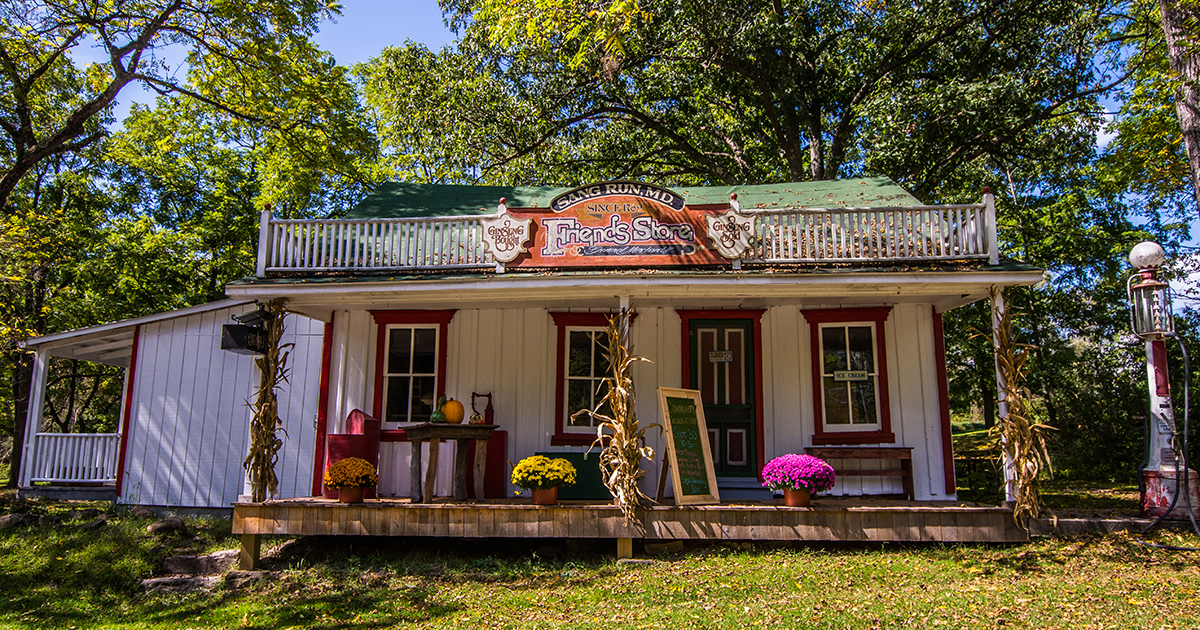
75	457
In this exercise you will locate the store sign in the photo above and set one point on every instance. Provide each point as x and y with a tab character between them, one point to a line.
851	375
613	224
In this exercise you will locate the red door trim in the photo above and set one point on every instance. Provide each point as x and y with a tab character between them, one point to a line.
122	450
755	316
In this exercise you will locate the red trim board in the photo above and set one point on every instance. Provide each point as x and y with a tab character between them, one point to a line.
133	355
943	385
323	407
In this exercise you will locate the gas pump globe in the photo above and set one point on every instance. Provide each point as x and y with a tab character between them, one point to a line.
1152	320
1149	298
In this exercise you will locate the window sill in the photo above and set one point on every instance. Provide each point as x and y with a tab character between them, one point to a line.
854	437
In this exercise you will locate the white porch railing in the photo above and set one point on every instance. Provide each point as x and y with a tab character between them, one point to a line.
343	245
902	233
74	457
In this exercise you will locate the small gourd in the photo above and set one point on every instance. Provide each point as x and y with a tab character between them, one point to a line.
437	415
453	410
476	418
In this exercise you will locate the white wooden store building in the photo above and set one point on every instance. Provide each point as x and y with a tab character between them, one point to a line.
808	315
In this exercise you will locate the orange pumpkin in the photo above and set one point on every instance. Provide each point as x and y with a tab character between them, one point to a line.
453	410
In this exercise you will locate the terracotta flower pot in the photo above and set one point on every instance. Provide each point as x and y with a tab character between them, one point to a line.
796	498
545	496
351	495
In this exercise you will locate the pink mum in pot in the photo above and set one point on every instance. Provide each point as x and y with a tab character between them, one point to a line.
798	472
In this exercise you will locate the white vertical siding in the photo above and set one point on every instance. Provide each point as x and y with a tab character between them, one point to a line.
188	431
512	353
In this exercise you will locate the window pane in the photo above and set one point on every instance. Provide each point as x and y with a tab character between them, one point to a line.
397	399
862	400
423	398
579	357
424	351
862	350
399	350
579	396
833	342
837	407
599	361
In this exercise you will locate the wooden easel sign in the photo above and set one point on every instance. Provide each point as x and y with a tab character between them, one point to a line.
689	460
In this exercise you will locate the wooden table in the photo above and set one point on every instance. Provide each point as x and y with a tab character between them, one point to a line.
436	432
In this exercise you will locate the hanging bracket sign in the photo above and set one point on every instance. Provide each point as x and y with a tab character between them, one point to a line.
693	477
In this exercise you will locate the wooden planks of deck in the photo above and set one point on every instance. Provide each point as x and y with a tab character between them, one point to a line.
865	523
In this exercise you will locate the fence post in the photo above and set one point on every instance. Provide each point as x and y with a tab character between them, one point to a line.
264	241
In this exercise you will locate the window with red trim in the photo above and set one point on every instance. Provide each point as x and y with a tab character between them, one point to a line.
410	364
410	383
849	367
581	368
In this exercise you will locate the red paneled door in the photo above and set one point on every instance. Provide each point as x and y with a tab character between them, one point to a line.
722	368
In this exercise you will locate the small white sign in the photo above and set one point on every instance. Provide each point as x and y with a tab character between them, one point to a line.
720	356
850	375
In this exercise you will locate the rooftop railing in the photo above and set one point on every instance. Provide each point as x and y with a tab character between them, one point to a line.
781	236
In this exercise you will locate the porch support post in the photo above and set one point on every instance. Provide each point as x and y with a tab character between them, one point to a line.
998	309
248	554
624	548
33	413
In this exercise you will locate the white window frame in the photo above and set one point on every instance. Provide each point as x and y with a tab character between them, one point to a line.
874	379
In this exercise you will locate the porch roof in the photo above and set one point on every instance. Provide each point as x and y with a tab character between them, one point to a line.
111	343
945	285
396	200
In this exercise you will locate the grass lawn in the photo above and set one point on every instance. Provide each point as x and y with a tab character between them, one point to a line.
63	577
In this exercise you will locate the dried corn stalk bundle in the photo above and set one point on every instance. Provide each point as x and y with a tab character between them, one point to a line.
1019	435
265	425
621	457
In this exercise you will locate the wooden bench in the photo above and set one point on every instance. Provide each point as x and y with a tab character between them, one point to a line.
902	453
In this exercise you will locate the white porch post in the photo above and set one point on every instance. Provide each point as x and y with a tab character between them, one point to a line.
264	241
1010	473
33	417
993	244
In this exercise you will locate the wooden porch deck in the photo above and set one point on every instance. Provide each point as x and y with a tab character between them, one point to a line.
851	519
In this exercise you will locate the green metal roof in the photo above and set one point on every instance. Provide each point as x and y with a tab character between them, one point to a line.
395	200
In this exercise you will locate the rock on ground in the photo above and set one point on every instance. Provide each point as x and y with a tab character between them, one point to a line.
181	584
17	520
167	526
213	564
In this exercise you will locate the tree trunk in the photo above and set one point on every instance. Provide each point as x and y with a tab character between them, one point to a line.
22	372
1183	52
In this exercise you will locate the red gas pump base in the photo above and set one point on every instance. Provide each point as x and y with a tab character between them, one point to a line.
1160	489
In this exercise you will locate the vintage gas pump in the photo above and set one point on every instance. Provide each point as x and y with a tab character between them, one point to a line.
1152	321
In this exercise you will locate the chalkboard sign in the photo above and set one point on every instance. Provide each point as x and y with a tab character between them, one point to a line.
689	458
